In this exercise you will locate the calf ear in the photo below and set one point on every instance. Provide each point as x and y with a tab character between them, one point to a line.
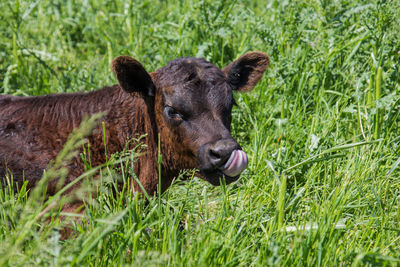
244	73
131	76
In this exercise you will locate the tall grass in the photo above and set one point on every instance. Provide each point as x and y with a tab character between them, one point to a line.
321	131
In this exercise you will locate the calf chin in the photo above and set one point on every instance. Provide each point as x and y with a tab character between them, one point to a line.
215	177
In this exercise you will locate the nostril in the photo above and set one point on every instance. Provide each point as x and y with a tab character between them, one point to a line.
218	156
215	155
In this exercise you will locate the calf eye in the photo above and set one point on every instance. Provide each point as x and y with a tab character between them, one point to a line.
172	113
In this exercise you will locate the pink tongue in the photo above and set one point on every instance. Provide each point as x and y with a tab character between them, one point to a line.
235	164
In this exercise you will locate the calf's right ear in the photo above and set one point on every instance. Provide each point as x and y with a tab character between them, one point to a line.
132	77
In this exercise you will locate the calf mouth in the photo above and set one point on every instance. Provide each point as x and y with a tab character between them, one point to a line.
229	170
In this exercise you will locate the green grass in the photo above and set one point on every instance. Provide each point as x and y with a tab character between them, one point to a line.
321	131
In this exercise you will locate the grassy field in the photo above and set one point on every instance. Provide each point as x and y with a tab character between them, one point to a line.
321	131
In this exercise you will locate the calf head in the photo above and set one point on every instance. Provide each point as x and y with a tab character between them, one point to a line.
193	102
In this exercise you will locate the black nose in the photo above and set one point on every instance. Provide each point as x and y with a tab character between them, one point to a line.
219	152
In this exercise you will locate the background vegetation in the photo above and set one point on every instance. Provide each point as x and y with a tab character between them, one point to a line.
321	131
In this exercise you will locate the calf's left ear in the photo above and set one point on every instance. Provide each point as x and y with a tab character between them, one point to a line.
245	72
131	76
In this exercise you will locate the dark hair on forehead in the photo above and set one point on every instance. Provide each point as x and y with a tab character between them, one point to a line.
188	68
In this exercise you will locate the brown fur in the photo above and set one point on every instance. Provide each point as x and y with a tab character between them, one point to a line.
34	129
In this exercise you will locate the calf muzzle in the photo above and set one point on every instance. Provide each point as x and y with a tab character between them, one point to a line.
223	159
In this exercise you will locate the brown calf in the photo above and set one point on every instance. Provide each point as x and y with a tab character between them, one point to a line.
188	103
